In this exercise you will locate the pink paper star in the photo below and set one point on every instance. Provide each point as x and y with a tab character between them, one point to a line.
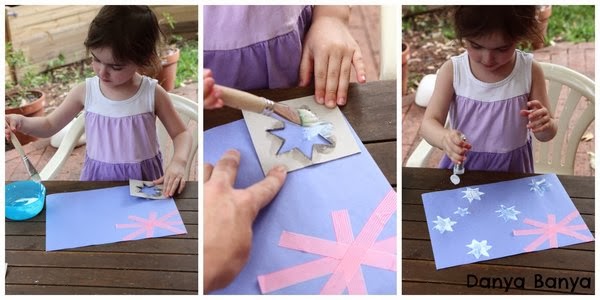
342	257
147	225
549	231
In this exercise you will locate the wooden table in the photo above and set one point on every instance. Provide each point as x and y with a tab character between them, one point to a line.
167	265
553	267
371	111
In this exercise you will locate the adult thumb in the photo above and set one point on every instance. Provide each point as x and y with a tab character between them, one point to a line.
263	192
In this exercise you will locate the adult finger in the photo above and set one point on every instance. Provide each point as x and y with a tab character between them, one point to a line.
263	192
208	168
226	168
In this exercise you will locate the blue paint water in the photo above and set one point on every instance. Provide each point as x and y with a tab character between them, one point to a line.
24	199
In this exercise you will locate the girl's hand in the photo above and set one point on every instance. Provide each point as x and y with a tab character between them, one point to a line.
455	147
538	116
173	179
211	93
12	123
329	52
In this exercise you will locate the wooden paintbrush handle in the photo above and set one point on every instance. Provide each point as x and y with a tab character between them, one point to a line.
242	100
15	142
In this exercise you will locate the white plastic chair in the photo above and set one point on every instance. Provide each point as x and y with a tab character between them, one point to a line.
389	39
558	155
188	112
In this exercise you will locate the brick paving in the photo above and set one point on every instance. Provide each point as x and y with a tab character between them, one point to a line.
579	57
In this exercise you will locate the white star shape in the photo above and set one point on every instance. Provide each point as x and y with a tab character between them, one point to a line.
443	225
539	187
508	213
462	211
472	194
479	248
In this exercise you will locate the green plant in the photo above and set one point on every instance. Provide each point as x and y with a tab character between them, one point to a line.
572	23
187	67
19	92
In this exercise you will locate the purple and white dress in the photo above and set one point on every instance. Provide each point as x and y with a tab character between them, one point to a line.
488	115
255	47
121	135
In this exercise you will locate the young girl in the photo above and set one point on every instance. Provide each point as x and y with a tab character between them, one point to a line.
271	46
120	104
494	94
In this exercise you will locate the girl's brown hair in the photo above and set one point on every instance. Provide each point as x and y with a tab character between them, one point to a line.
131	31
517	22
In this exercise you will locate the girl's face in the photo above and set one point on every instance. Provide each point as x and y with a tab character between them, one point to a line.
491	53
111	72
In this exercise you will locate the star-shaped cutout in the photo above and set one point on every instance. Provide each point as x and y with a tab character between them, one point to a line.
462	211
508	213
479	248
539	186
472	194
303	138
150	190
442	225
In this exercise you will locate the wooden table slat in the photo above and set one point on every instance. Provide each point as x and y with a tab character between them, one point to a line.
103	260
424	271
186	281
19	289
156	245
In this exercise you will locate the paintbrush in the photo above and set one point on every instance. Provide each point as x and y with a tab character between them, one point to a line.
245	101
33	173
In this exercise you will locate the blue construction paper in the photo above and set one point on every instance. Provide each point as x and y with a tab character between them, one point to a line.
303	138
304	206
478	223
90	217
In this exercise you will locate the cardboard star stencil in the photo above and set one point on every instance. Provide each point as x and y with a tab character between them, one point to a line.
279	142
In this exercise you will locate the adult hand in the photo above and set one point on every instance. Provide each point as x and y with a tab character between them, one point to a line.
228	217
329	52
455	147
211	93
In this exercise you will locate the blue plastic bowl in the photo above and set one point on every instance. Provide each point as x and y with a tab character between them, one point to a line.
24	199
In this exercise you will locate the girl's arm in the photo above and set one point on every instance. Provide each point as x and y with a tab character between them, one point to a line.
432	128
47	126
541	122
182	143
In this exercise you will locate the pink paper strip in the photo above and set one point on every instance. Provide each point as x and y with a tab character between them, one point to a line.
549	231
343	257
147	225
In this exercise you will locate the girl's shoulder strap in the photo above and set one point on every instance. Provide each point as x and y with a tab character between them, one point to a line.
92	87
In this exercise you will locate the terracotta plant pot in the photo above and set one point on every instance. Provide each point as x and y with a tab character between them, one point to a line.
166	77
405	56
34	108
543	13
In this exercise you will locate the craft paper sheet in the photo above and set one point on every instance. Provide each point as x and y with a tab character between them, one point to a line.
108	215
269	143
330	230
483	222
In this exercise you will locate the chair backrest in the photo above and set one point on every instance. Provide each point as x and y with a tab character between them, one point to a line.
572	102
388	38
188	112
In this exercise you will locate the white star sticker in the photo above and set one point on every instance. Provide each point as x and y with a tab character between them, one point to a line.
462	211
508	213
472	194
443	225
479	248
